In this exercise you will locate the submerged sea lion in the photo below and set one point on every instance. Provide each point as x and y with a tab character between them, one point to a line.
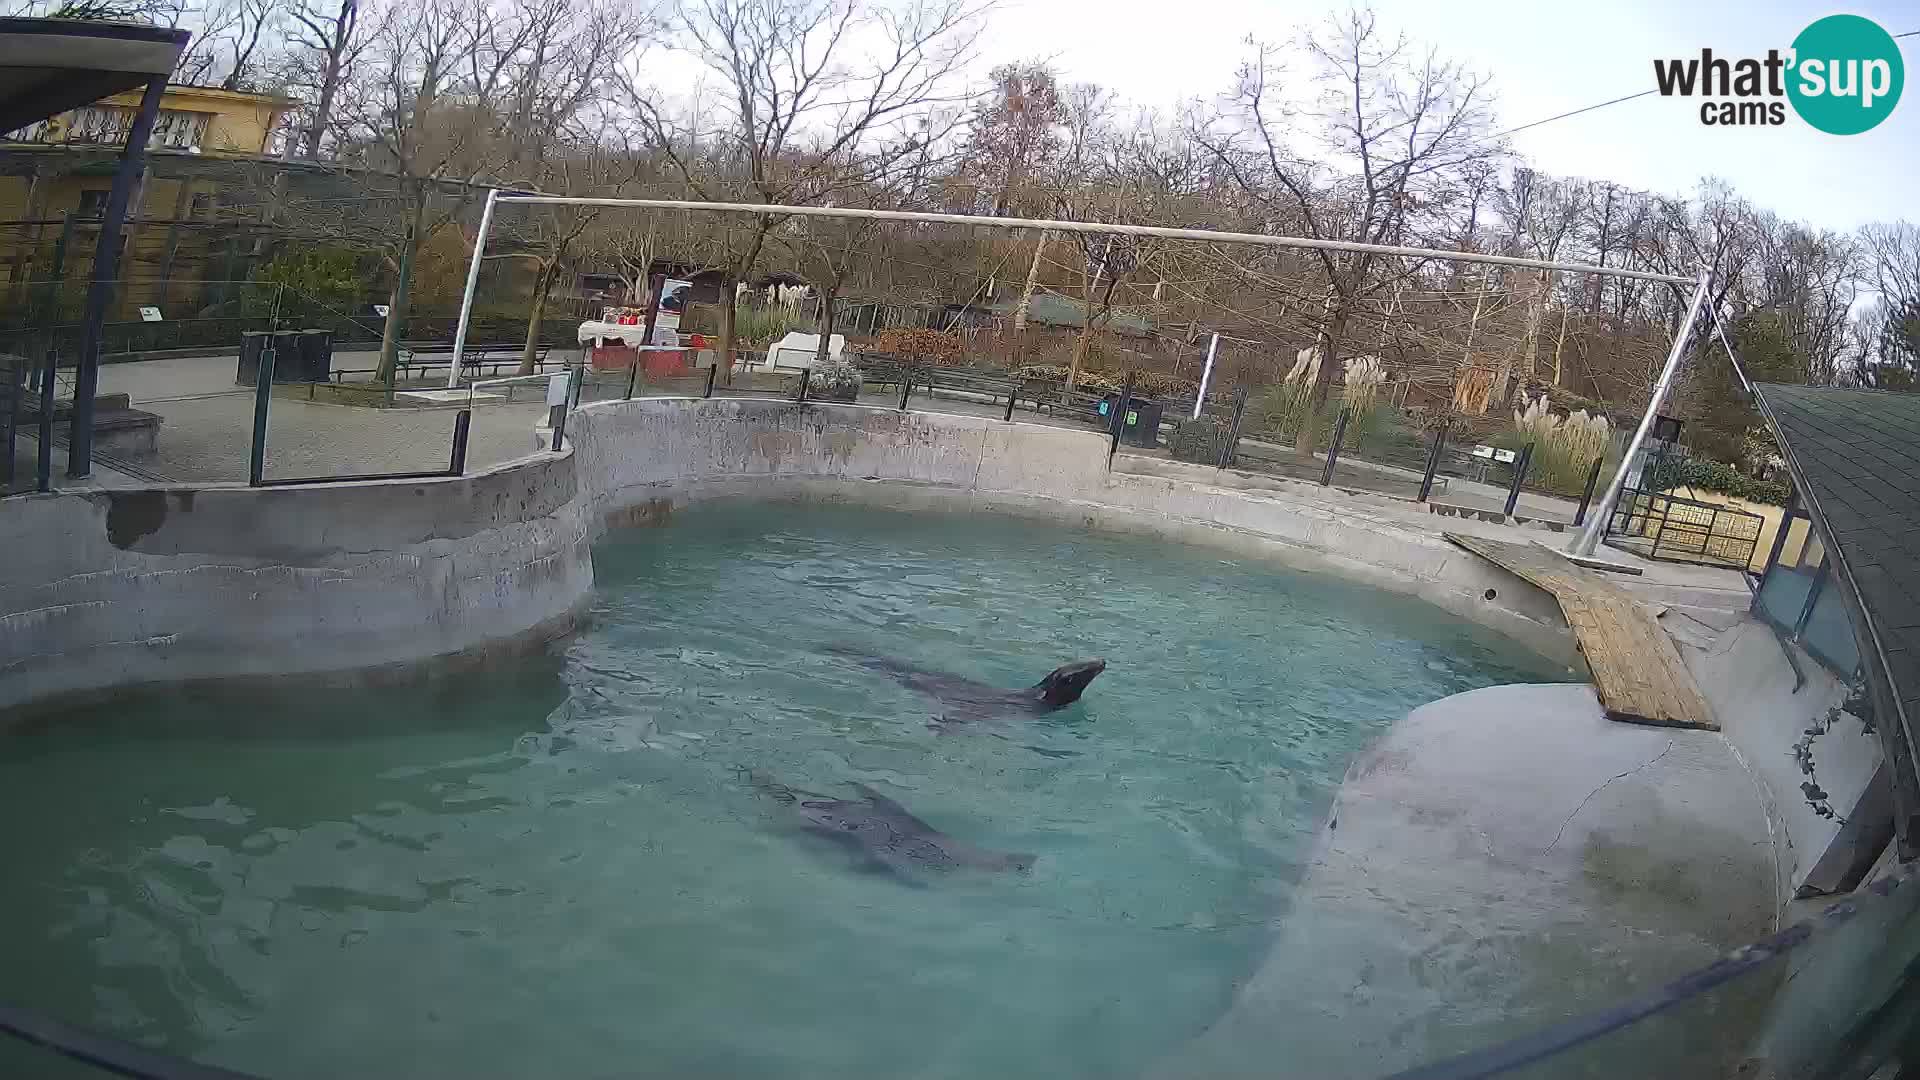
885	833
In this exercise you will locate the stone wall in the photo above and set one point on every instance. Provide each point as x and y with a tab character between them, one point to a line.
112	588
639	459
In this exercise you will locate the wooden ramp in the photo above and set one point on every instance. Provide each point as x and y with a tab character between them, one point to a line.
1637	672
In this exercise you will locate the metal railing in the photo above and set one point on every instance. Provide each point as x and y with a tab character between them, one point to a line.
1656	525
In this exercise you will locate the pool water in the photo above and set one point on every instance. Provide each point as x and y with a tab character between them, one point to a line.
564	867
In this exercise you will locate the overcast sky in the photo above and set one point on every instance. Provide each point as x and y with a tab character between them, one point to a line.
1545	57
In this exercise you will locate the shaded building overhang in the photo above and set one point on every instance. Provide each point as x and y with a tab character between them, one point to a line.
1855	460
51	66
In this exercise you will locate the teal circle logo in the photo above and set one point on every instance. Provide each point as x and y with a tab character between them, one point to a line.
1847	74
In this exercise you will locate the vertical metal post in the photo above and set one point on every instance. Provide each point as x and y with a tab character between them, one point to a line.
1653	499
1519	477
560	418
711	372
1433	462
1586	497
806	376
16	386
1233	432
461	421
44	481
106	270
1333	448
1206	376
655	286
1012	393
1119	422
473	283
262	401
1589	539
906	386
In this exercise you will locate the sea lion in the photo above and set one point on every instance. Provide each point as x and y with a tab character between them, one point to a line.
969	700
885	833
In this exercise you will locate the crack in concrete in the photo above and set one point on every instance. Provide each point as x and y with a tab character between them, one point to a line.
1583	802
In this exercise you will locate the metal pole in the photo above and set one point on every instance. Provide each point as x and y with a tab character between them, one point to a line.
1233	432
1586	497
1011	395
473	283
1206	376
906	385
806	376
1119	423
106	270
1333	448
44	481
262	400
1095	227
16	387
461	421
1433	462
1589	539
711	372
1519	477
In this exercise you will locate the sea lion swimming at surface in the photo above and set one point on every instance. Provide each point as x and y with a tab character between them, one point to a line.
969	700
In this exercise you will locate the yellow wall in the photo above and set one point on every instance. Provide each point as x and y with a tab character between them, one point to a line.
1796	534
241	123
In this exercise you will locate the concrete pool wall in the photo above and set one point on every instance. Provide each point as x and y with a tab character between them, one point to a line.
640	459
112	588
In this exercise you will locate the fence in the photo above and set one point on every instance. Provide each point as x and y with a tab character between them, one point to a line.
1656	525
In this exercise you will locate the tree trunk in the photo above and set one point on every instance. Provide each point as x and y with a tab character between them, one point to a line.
1328	342
1535	312
1033	279
542	285
398	302
728	296
824	325
1080	345
1559	343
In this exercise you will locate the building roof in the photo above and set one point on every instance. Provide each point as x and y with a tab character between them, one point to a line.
48	66
1855	460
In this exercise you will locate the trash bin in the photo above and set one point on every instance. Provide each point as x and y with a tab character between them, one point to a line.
316	356
1141	425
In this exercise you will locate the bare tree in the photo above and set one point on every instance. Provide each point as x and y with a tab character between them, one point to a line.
816	93
414	116
323	41
1394	128
232	44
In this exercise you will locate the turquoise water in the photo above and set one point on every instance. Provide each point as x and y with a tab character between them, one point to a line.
558	867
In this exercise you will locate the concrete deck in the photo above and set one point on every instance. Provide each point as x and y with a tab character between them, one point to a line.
1500	860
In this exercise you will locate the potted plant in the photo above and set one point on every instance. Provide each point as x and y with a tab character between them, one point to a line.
834	380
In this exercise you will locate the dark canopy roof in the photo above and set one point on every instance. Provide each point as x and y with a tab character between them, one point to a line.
1855	459
48	66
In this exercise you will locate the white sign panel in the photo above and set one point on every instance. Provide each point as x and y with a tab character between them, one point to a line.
150	314
557	391
674	295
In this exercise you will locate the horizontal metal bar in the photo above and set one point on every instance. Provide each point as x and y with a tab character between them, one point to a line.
355	478
1207	235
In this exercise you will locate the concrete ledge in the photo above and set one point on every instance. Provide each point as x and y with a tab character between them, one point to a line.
640	459
113	588
1500	860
